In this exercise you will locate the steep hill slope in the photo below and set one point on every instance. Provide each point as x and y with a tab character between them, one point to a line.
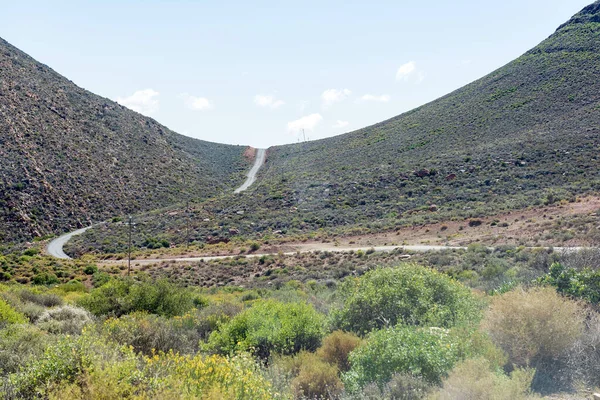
524	135
68	156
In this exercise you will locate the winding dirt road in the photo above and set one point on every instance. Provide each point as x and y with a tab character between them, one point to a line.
258	162
55	247
331	249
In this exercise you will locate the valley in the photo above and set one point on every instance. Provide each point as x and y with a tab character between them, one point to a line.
448	252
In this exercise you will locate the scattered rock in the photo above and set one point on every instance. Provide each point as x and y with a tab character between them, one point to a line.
422	173
451	177
433	208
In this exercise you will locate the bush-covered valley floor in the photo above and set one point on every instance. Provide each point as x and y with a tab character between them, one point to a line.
510	322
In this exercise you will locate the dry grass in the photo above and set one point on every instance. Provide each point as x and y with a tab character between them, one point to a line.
473	379
336	347
535	325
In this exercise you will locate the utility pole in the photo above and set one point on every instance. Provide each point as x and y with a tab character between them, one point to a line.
187	215
304	134
130	223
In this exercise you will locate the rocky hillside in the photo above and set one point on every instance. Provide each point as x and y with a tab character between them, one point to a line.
526	134
68	157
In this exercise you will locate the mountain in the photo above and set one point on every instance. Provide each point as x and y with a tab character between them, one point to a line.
69	157
527	134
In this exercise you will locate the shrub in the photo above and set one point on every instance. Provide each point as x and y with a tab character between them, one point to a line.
90	270
9	315
19	343
45	279
408	294
401	387
534	325
60	362
88	366
42	299
583	358
426	352
31	310
584	284
254	246
148	333
213	377
122	296
270	326
315	378
474	379
215	315
64	320
336	348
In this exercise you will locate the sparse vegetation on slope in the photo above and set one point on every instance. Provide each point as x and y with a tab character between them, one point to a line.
524	135
69	157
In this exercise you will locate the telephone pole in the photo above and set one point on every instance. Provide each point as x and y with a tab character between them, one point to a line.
130	223
187	214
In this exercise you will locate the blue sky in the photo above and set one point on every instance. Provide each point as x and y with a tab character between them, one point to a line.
257	72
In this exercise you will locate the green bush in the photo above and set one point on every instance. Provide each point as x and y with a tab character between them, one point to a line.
9	315
123	296
271	326
60	362
149	333
409	294
215	315
45	279
426	352
584	284
19	343
90	270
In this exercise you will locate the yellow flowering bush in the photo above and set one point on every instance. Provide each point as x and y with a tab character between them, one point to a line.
236	377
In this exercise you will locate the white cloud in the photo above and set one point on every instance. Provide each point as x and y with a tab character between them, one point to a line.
340	124
308	122
267	101
143	101
197	103
384	98
331	96
405	71
420	77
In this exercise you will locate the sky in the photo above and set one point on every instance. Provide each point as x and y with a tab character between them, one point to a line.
259	72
